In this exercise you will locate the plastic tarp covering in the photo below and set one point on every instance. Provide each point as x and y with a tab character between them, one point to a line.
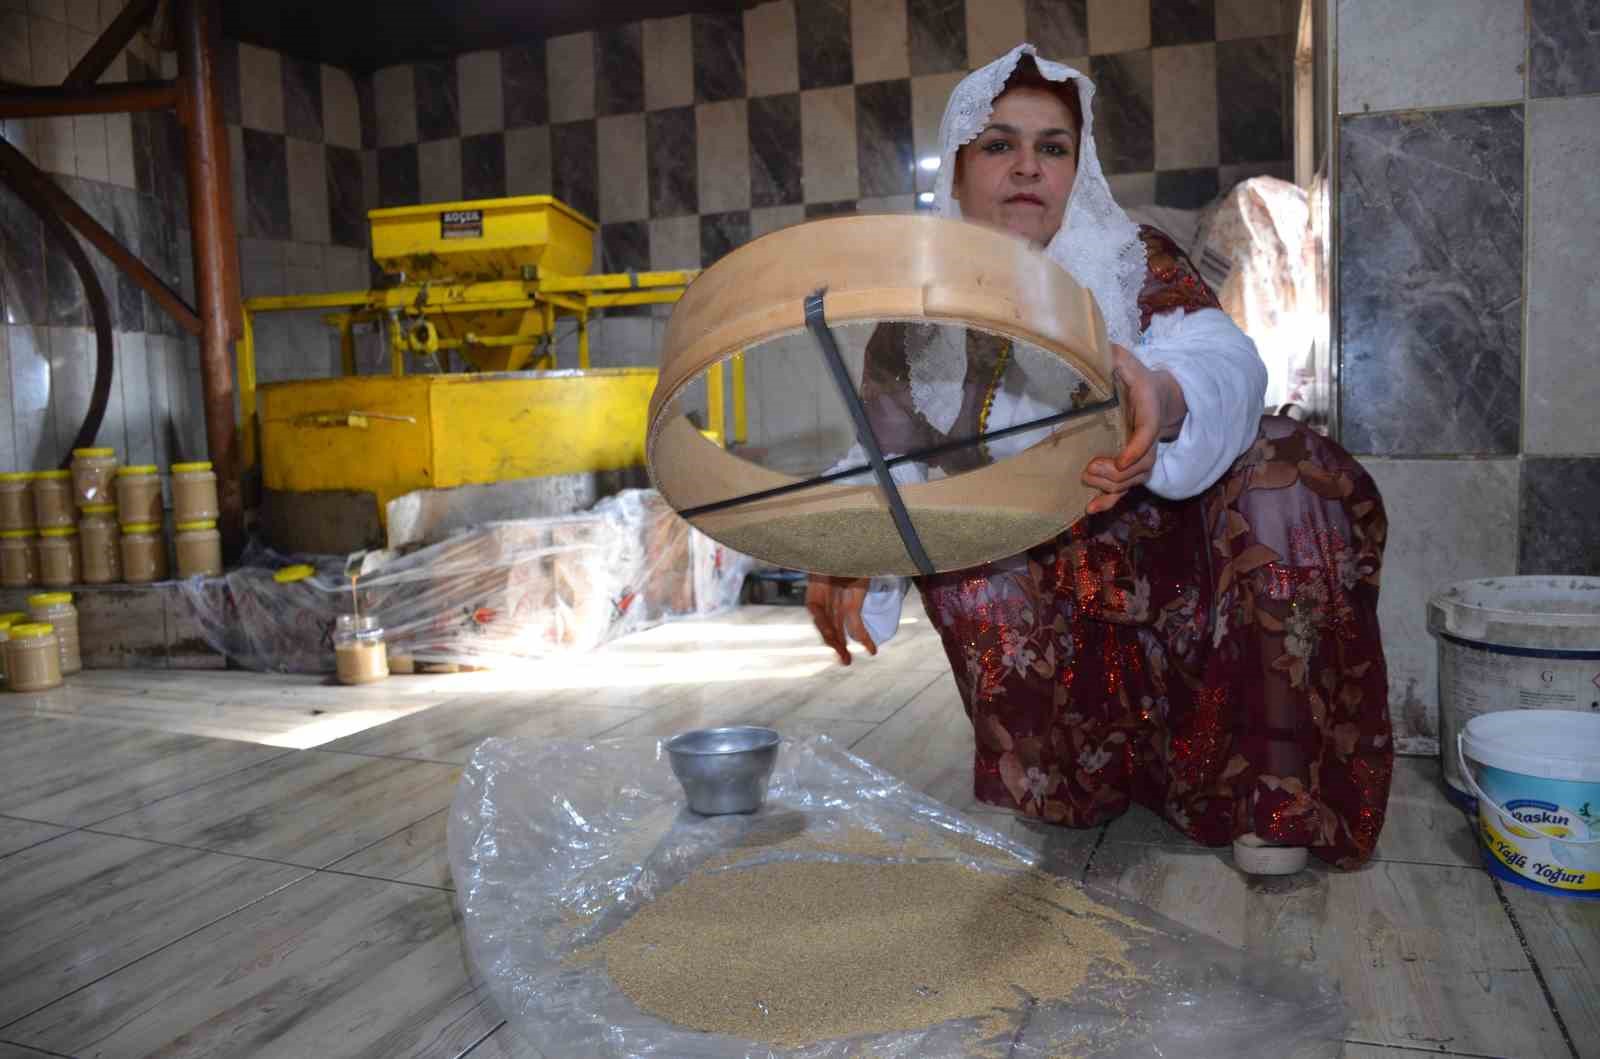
503	591
554	845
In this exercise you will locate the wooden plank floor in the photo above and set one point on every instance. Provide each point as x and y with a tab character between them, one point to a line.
226	863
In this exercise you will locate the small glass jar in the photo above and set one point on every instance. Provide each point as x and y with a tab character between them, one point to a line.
139	494
19	559
359	650
194	493
144	553
93	471
56	609
58	557
6	621
98	544
52	500
33	658
199	548
16	503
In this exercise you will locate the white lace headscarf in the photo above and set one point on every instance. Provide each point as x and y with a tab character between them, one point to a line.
1097	243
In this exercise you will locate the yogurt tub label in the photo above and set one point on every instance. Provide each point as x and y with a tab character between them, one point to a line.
1529	852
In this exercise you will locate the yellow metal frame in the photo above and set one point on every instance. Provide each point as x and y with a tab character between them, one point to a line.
488	279
555	297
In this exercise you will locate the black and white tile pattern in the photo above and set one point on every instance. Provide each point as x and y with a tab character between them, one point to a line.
814	103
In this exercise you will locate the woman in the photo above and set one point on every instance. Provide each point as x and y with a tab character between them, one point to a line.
1205	641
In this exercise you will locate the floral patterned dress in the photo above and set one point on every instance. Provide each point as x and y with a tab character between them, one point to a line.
1216	659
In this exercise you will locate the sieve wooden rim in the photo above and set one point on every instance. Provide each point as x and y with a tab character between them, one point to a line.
945	271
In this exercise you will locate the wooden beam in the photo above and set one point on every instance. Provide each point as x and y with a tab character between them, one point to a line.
22	170
104	51
49	101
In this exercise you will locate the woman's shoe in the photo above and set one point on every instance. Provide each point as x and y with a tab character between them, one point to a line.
1254	857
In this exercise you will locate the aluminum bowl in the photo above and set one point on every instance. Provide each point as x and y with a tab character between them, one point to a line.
724	770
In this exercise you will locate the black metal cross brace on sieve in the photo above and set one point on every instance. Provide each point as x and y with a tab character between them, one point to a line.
881	467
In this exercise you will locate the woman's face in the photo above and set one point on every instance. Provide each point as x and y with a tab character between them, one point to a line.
1019	171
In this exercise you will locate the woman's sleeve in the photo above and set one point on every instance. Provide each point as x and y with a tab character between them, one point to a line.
1224	384
1222	377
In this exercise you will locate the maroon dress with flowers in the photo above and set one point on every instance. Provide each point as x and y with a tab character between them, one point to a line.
1215	659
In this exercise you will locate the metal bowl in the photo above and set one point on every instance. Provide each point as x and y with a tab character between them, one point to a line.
724	770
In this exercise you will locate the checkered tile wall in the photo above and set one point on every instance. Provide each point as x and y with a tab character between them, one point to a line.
685	137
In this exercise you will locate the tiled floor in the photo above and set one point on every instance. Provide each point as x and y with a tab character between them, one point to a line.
230	864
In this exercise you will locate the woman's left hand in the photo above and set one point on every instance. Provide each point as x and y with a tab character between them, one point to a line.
1156	410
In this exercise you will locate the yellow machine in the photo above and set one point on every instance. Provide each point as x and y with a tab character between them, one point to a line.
488	280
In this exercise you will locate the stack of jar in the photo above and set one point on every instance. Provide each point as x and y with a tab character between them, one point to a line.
19	553
194	513
143	550
93	471
55	517
38	648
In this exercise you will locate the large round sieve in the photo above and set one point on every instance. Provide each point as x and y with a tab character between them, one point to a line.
1009	309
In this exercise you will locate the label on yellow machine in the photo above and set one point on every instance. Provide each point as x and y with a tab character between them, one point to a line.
461	224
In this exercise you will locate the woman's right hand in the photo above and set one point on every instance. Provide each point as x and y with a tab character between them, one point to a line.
835	604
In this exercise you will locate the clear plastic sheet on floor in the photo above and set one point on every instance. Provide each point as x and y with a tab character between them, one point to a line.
503	591
554	845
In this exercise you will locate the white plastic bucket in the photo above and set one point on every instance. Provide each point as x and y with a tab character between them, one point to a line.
1513	643
1536	774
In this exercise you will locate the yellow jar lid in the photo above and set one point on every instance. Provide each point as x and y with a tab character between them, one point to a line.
59	531
290	574
13	618
50	599
195	527
98	509
141	527
136	469
33	630
94	454
15	535
16	476
51	476
190	468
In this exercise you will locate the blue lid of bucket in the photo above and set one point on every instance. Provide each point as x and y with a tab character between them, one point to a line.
1547	744
1549	613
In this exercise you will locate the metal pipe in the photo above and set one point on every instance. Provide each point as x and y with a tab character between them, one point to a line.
104	51
741	418
716	406
247	394
215	249
49	101
64	206
347	345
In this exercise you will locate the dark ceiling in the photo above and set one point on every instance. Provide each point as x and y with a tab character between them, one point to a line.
362	35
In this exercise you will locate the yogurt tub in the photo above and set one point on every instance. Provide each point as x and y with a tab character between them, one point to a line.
1536	774
1513	643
